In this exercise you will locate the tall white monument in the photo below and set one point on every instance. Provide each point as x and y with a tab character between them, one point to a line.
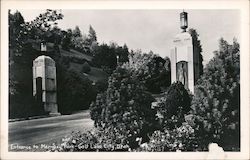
184	57
44	83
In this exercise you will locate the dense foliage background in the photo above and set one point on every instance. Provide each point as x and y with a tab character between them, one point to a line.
152	70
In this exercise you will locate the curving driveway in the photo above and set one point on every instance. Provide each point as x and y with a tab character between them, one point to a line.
47	130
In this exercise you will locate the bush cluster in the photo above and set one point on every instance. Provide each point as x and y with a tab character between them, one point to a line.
179	139
94	140
110	139
125	107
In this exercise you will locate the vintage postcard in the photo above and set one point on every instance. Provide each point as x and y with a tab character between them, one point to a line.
125	79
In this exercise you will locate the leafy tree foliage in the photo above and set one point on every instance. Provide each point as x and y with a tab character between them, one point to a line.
81	42
41	27
56	36
16	23
105	56
125	108
151	69
77	40
66	40
216	103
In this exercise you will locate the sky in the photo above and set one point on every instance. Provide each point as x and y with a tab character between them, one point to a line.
151	29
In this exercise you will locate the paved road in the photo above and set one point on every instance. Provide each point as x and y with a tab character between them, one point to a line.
47	130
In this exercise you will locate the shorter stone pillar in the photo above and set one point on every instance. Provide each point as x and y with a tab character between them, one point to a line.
45	70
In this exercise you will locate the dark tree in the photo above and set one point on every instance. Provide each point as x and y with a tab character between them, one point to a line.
197	43
92	35
105	57
66	40
77	32
122	52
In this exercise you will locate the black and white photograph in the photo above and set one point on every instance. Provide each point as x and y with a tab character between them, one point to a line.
121	80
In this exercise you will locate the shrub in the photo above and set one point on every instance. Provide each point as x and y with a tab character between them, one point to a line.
125	107
174	105
181	138
86	68
101	86
216	103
